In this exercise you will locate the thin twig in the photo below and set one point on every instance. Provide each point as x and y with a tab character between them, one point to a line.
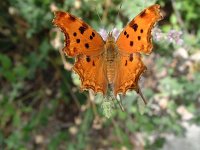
94	108
67	65
178	15
117	126
68	86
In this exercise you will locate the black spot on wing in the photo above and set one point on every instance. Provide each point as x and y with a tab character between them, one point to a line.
67	40
131	57
85	25
74	34
60	14
75	49
83	28
139	38
93	64
142	14
88	58
86	45
126	63
134	26
127	35
125	32
131	43
78	40
93	34
141	31
72	18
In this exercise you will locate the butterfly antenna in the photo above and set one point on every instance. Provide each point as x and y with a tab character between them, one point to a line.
100	19
98	15
144	2
120	6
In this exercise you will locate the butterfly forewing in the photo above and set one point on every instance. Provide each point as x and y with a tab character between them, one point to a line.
80	38
136	36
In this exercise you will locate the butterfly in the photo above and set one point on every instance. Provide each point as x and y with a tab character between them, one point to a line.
114	64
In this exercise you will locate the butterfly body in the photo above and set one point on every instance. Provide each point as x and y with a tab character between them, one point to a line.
110	58
112	62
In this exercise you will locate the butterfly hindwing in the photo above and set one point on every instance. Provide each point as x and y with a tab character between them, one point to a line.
129	69
92	72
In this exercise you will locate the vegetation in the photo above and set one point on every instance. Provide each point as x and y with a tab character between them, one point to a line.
41	106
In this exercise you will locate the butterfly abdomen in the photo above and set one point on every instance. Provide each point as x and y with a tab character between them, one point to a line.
110	58
110	69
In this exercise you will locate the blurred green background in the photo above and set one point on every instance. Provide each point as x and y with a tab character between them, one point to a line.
41	106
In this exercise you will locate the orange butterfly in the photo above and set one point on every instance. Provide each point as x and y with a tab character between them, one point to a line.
101	64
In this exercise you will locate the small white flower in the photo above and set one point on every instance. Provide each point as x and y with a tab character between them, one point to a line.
158	35
103	34
175	37
116	33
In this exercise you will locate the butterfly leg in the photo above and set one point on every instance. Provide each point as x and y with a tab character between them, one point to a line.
141	95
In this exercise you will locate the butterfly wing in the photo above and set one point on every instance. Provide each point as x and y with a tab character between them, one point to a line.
129	70
136	36
133	40
80	38
92	73
84	43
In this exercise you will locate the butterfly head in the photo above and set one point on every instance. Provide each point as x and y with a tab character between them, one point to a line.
110	38
110	44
